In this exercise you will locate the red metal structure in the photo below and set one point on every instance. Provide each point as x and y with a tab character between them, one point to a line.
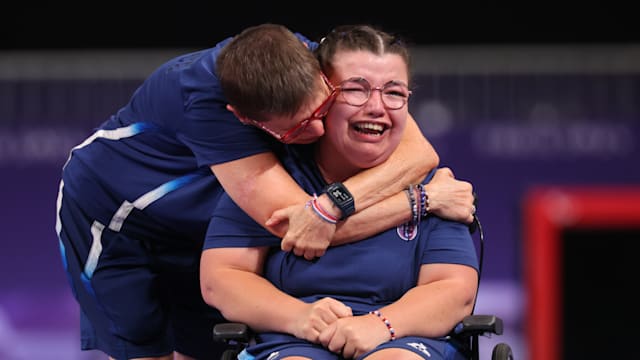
547	212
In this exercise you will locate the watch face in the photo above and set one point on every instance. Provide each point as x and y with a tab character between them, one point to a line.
342	198
340	195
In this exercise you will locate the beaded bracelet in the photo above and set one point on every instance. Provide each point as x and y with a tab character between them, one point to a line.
413	203
322	213
409	230
424	201
386	322
419	203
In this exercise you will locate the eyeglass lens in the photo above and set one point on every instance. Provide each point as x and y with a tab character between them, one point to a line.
357	91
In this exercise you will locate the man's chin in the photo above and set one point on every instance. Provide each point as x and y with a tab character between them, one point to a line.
306	140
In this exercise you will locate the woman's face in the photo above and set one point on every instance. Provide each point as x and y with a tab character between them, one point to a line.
367	135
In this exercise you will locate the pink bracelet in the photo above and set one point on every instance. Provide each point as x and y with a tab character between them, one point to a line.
386	322
322	213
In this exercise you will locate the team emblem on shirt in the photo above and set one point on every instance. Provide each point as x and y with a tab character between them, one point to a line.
407	231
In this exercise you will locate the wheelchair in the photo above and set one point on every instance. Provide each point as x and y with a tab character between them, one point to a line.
466	334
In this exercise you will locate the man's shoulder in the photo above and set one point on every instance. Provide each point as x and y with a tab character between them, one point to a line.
311	44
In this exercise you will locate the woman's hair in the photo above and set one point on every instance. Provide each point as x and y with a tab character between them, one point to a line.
359	37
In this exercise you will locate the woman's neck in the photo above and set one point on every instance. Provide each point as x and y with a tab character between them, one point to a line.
333	165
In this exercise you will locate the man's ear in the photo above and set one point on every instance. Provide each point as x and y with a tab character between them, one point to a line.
243	119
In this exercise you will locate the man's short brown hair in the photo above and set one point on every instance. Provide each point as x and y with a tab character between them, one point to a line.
265	71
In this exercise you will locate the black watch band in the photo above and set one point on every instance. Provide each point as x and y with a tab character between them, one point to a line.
342	198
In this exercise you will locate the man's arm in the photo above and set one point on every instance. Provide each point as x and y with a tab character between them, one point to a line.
368	187
252	180
259	184
449	198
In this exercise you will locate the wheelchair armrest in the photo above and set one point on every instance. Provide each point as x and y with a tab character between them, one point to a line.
473	325
238	332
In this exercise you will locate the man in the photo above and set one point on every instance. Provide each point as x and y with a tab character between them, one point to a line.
136	197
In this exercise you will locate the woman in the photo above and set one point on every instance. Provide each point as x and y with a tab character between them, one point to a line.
393	295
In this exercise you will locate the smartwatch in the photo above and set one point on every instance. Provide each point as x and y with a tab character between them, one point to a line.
342	198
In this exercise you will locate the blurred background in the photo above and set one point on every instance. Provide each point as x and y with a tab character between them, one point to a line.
537	104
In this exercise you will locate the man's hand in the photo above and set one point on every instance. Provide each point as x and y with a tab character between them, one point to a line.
450	198
307	235
318	316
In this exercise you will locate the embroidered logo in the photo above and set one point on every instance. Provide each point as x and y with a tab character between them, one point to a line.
273	355
407	231
420	347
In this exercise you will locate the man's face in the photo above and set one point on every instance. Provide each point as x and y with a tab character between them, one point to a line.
304	127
